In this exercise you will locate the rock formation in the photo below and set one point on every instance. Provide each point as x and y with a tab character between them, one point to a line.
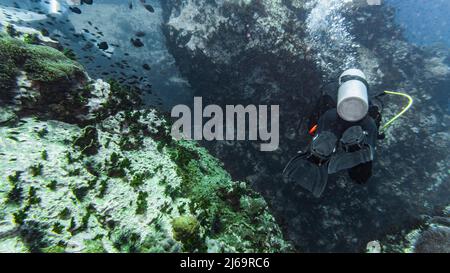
282	52
84	167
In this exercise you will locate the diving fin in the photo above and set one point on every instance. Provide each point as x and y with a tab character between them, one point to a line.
307	174
344	161
354	151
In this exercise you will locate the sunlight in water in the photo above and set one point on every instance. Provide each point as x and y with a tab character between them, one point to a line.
54	6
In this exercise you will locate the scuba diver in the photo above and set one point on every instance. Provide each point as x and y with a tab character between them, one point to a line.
345	131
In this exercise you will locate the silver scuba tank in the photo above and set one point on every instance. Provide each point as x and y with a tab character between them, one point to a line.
352	102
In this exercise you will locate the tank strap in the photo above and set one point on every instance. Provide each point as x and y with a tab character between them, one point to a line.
354	77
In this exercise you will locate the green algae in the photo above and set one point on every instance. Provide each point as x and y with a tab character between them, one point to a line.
41	63
46	64
186	229
31	39
11	58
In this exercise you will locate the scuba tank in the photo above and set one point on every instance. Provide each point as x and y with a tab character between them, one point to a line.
352	99
352	102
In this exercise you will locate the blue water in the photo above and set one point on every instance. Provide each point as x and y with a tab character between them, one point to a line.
426	22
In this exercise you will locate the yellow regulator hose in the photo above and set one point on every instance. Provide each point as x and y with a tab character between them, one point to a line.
410	103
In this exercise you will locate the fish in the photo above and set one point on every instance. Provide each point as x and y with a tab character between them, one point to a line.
103	45
137	42
75	10
140	34
146	67
149	8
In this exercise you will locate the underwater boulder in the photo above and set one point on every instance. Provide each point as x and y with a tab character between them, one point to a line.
42	81
430	235
433	240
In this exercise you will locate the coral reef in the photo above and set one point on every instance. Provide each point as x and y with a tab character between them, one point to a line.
115	181
432	235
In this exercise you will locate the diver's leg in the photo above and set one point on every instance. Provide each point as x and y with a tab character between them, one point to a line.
357	147
362	173
324	143
369	126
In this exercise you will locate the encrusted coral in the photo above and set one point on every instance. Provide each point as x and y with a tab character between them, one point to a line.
145	191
